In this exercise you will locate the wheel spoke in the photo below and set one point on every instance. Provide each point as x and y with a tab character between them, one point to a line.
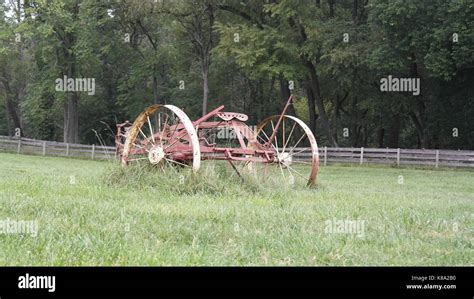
151	130
159	124
291	175
276	138
268	139
170	166
301	162
141	147
283	143
289	137
176	162
171	136
292	154
175	127
143	134
263	140
164	128
301	138
174	142
281	169
297	172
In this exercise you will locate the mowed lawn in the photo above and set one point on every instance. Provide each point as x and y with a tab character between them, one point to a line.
90	214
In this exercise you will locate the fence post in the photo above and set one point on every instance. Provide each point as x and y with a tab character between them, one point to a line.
93	151
398	156
325	155
437	158
44	148
67	149
19	146
361	155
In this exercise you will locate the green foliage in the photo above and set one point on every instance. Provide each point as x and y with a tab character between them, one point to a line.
139	53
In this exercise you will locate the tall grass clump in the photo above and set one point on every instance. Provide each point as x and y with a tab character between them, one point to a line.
213	178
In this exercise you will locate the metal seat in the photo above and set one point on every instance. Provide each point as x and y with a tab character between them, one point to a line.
232	115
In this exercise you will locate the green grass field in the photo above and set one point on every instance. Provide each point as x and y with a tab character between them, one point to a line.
89	213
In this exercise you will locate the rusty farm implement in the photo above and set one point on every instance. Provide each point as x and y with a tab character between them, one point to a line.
164	136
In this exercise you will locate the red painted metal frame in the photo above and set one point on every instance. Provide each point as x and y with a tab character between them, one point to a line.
186	141
252	151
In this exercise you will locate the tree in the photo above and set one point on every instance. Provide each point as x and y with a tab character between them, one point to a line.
197	19
13	65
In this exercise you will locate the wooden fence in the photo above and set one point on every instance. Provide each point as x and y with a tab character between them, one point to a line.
359	155
53	148
394	156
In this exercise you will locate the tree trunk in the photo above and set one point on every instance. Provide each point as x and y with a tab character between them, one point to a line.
156	97
314	80
205	88
365	135
419	118
311	106
11	109
331	8
7	117
354	121
71	119
394	132
355	4
71	114
419	130
319	102
71	111
337	105
380	135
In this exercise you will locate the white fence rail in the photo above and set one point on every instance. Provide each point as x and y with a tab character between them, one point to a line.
53	148
394	156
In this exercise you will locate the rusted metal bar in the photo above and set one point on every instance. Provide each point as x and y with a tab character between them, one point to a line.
275	130
209	115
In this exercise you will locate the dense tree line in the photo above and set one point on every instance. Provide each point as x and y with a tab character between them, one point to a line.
246	55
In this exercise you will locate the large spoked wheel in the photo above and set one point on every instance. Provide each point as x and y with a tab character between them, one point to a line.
296	156
164	136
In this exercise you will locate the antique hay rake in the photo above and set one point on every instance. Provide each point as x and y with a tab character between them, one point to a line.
164	136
